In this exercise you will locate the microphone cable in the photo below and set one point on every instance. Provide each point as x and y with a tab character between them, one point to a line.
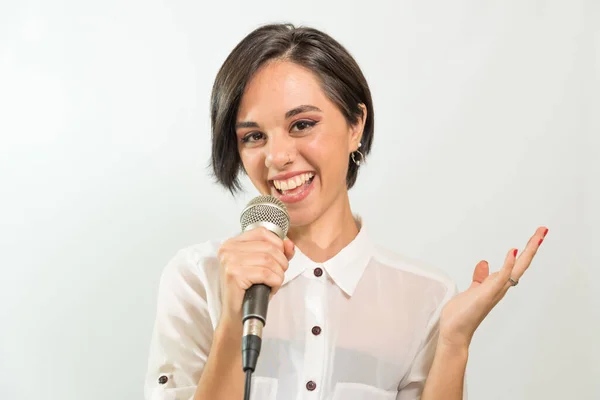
248	384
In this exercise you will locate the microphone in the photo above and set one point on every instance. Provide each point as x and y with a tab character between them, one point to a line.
270	213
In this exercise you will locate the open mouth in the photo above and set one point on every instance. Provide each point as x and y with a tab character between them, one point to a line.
294	185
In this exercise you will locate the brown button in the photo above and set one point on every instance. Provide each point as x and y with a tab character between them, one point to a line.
310	385
316	330
318	272
163	379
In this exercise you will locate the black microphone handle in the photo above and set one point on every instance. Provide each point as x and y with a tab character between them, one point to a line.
256	302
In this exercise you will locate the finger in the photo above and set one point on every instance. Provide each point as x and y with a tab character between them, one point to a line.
481	272
248	275
502	282
289	248
507	269
265	260
244	249
261	234
524	260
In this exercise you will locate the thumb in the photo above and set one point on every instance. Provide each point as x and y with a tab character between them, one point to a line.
482	271
288	248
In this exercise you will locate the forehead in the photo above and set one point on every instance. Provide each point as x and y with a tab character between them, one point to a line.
278	87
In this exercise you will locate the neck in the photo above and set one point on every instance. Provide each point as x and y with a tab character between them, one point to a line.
329	234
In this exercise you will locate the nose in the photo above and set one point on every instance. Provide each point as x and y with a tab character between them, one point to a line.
281	151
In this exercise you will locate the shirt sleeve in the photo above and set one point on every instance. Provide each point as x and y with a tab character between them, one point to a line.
413	384
182	333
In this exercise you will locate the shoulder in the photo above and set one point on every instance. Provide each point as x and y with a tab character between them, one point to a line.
194	264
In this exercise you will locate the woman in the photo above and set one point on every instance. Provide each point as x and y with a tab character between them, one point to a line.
347	319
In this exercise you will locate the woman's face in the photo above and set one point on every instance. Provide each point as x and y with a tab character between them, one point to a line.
294	142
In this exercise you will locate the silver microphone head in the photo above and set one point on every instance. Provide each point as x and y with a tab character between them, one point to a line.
266	211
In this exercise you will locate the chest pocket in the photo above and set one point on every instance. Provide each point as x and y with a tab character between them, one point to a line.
263	388
359	391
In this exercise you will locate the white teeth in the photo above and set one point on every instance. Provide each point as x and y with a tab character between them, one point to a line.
293	182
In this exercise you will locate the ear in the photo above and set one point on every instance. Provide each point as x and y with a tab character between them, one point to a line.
356	130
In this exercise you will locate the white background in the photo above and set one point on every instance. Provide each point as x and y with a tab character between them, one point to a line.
486	127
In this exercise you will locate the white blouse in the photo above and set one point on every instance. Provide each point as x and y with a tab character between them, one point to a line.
363	325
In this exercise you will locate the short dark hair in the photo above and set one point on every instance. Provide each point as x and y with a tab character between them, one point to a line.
341	79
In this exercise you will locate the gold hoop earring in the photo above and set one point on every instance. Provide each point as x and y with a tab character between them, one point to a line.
361	158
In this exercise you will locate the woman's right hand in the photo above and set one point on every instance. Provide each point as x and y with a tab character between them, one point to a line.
255	256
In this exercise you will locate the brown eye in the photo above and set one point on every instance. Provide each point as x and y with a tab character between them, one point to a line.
303	125
253	137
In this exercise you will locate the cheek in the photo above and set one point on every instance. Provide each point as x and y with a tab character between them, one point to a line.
254	164
328	156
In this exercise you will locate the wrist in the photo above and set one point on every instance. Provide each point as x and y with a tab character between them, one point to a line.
459	341
453	348
228	330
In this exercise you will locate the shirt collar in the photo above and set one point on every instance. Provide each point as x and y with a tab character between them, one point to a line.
345	268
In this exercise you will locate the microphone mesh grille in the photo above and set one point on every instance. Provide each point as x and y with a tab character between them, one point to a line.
266	208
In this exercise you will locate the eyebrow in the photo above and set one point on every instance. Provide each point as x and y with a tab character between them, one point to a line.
246	124
300	110
289	114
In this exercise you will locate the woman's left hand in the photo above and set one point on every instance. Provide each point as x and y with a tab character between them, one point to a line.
462	315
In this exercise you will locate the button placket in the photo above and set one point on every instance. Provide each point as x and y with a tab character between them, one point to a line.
316	355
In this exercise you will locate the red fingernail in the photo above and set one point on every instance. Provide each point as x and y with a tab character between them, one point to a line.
515	252
540	242
545	232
